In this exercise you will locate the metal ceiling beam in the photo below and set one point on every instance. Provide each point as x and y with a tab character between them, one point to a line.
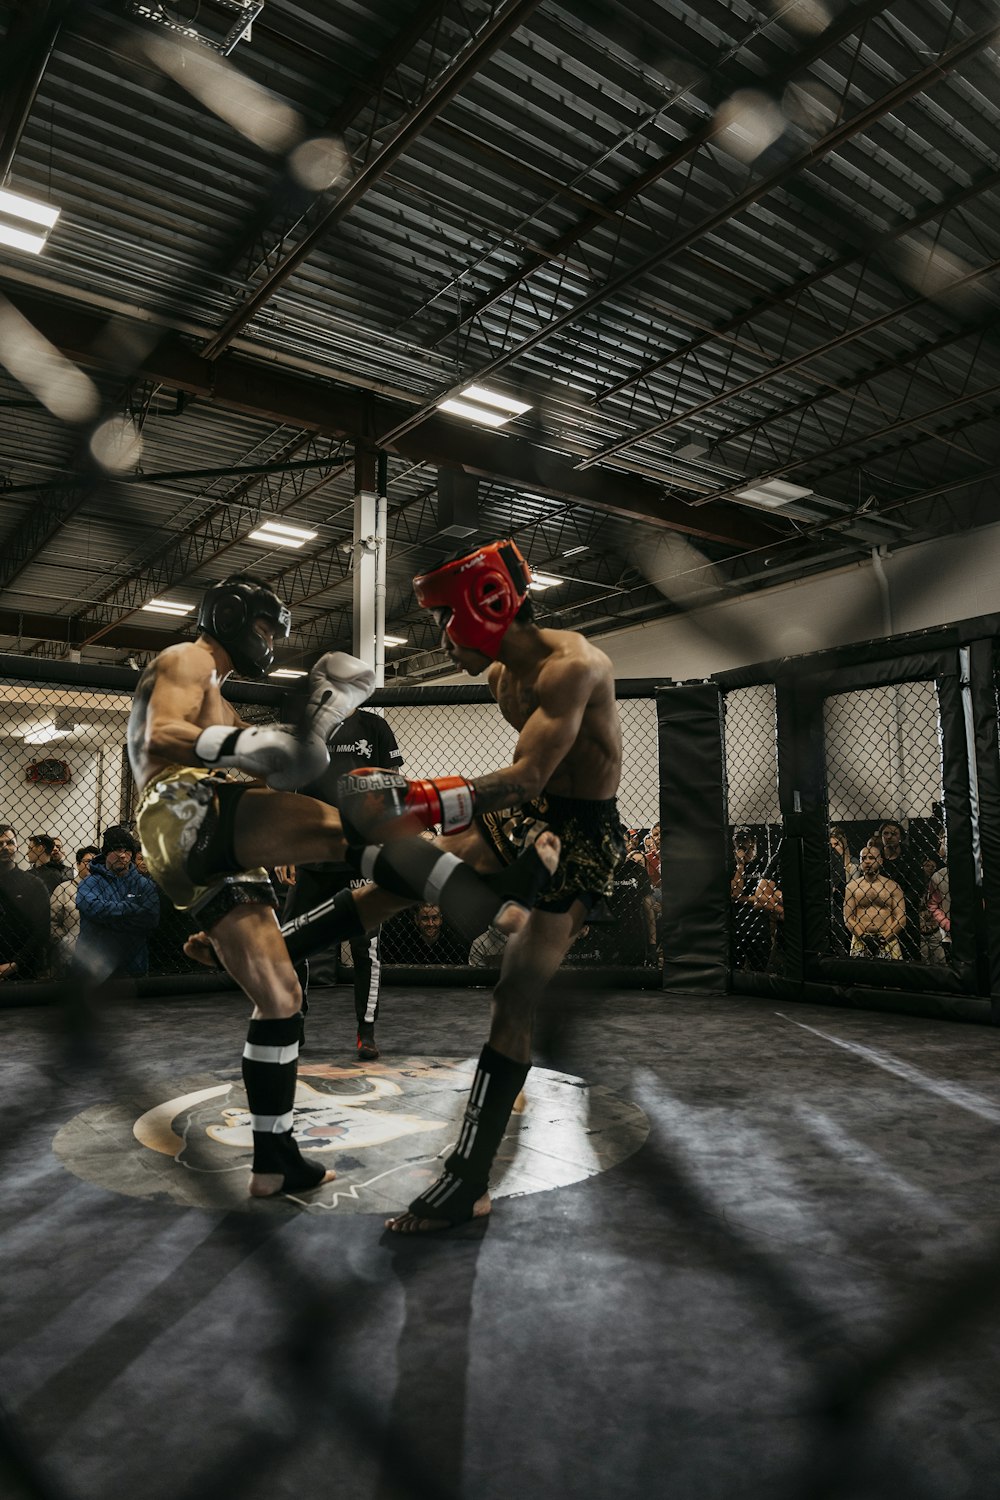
834	449
42	627
508	16
874	245
257	389
787	366
852	388
28	47
224	526
260	247
844	26
856	125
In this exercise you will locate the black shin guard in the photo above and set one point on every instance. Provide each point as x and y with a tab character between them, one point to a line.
470	902
497	1083
270	1067
329	922
466	1174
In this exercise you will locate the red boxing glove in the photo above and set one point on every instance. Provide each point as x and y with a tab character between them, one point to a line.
368	800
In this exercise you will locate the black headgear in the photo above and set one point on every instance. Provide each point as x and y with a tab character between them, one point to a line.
227	613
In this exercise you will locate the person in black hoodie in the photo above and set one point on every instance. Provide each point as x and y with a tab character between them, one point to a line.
24	915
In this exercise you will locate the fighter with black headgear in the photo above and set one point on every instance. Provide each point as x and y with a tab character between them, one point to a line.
209	839
558	691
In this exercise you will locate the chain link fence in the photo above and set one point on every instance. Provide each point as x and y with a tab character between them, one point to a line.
755	829
65	782
889	894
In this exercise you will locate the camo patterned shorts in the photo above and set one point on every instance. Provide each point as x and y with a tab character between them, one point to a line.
592	839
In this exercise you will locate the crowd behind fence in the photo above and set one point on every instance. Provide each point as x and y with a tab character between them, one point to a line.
66	789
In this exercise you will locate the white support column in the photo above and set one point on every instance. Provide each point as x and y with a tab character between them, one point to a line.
381	510
365	561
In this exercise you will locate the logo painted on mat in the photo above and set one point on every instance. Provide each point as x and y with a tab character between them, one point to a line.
385	1128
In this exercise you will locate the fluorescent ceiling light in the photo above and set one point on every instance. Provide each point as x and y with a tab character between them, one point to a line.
24	211
13	206
168	607
486	397
280	535
572	551
44	733
286	672
34	244
474	413
395	640
477	403
773	493
545	581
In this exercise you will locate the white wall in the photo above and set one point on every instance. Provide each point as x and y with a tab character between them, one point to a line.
471	739
929	584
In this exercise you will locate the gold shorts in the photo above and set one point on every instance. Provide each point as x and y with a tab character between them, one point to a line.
879	947
181	819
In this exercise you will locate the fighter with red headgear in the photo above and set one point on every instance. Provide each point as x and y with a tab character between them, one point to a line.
477	598
558	692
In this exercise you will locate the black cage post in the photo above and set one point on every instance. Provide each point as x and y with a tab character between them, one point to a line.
693	843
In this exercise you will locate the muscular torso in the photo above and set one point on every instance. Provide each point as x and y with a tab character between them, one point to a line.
592	766
873	909
203	707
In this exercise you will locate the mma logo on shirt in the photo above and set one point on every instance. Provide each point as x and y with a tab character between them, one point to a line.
384	1127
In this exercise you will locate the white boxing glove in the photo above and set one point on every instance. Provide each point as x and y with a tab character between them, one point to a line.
276	752
336	686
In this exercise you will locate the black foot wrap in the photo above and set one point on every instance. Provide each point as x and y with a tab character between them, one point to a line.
280	1153
451	1198
329	922
524	881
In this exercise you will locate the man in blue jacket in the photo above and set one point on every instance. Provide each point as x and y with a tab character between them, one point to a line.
117	907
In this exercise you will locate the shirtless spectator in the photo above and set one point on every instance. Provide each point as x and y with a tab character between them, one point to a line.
874	909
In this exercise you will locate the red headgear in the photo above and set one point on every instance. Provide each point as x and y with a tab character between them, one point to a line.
483	591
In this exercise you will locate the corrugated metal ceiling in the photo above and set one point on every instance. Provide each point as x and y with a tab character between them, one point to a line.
710	244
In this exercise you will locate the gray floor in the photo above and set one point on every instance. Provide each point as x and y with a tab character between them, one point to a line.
783	1286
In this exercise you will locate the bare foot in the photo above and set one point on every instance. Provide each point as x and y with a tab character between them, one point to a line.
199	947
512	917
272	1184
412	1224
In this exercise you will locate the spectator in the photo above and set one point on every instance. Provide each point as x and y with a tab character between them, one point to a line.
65	916
422	936
751	925
874	909
24	915
117	907
51	872
843	869
767	898
938	908
627	934
587	950
903	866
487	949
652	851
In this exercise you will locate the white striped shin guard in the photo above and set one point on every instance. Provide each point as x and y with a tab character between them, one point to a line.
270	1067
